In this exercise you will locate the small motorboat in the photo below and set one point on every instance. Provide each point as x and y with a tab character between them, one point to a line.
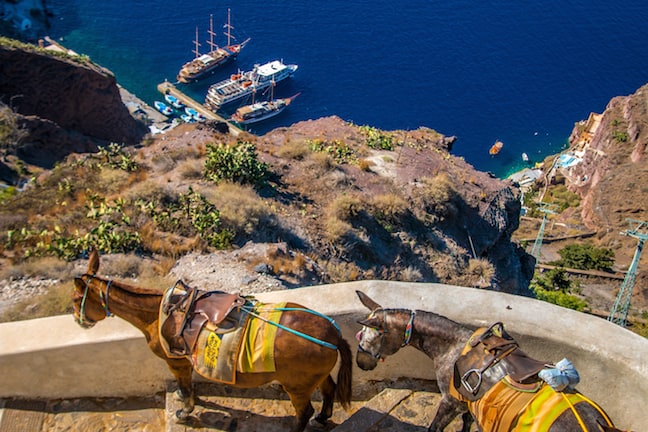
174	101
163	108
525	157
194	114
187	118
496	148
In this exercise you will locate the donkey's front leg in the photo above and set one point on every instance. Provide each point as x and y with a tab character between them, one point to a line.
182	370
449	408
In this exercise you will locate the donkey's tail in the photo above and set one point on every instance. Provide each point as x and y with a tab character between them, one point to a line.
345	374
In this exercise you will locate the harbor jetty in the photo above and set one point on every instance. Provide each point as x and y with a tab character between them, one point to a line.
168	88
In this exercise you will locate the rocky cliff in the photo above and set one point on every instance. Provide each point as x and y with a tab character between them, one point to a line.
66	104
360	203
612	177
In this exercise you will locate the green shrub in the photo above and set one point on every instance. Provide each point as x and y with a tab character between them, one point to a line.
338	150
376	139
191	214
555	287
563	198
238	163
118	158
586	256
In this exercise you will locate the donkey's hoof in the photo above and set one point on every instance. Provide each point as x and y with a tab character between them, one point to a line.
318	422
182	415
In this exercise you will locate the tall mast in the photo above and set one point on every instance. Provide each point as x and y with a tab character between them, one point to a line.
229	27
196	49
212	45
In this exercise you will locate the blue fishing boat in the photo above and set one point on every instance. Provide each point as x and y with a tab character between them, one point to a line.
163	108
177	103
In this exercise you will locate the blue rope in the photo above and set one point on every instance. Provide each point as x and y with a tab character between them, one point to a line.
295	332
319	314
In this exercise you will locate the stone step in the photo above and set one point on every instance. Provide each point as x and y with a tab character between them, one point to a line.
228	409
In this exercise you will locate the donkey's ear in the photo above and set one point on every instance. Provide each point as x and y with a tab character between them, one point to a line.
93	262
365	300
372	322
78	283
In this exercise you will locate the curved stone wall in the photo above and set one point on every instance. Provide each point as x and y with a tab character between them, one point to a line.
54	358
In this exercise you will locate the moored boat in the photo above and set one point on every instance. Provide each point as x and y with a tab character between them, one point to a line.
241	85
204	64
163	108
260	111
496	148
194	114
525	157
174	101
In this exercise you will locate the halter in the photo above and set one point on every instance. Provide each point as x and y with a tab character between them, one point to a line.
102	296
407	336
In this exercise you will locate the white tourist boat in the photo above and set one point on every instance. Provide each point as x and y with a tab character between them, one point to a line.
245	84
260	111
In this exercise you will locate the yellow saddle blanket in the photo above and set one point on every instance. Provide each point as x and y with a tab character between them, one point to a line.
248	349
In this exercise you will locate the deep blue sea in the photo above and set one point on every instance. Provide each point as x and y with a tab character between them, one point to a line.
522	72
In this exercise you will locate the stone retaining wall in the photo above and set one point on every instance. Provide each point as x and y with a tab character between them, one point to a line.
53	358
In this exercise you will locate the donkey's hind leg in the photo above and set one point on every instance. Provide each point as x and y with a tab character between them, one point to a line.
327	387
300	399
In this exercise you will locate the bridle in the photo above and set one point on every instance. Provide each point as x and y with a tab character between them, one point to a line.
383	331
83	320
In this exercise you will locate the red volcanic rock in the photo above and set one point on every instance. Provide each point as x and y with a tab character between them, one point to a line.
75	95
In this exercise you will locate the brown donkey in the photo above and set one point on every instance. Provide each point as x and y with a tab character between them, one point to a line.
301	364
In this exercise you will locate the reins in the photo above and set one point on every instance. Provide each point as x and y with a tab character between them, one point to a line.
102	296
296	332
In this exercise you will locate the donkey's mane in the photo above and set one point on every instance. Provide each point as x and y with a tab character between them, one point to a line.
433	323
134	289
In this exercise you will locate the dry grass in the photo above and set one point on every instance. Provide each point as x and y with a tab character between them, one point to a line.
365	164
336	229
340	271
411	274
168	244
45	268
389	207
56	301
346	207
191	169
151	190
322	162
283	263
241	209
479	273
297	150
436	195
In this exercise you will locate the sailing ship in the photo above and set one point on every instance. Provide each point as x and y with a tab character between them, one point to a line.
260	111
204	64
241	85
496	148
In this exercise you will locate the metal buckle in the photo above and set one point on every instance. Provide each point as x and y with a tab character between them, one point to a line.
466	384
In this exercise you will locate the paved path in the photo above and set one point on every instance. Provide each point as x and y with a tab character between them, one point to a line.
225	409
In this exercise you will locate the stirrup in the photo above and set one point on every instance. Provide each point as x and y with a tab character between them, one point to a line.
466	384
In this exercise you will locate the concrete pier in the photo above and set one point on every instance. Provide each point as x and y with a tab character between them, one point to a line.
168	88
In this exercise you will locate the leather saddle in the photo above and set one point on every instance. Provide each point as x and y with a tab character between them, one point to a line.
492	352
188	310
